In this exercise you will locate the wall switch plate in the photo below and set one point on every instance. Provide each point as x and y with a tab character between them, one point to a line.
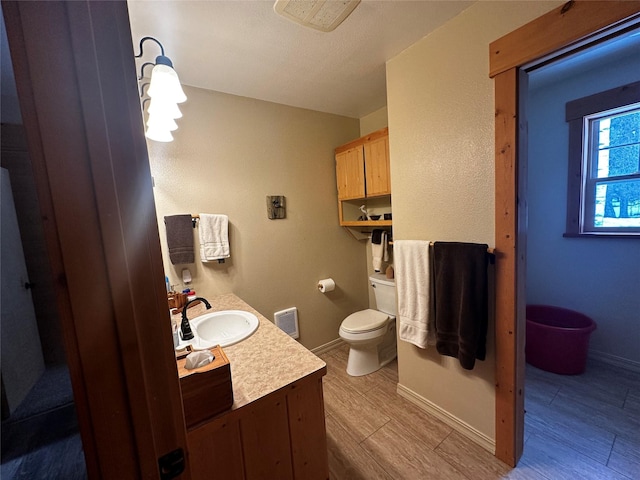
275	207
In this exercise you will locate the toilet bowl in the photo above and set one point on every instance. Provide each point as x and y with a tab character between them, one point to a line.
371	334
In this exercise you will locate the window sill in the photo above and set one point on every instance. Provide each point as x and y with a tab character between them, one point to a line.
635	236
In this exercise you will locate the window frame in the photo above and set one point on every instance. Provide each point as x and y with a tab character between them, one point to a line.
577	182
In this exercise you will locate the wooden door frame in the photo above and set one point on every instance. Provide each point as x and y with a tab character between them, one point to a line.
76	80
563	29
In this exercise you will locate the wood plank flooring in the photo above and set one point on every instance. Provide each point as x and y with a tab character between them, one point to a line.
583	427
577	427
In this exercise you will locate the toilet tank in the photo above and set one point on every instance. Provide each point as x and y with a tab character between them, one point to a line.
385	292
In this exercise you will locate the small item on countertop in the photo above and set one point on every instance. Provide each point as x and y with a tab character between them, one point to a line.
199	359
176	300
389	272
207	391
180	354
174	332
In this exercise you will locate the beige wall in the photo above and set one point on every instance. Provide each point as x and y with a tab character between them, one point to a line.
374	121
440	107
230	153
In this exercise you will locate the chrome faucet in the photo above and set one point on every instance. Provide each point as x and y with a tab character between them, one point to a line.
187	334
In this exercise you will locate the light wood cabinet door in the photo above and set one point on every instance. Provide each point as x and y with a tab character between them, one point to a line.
350	173
376	157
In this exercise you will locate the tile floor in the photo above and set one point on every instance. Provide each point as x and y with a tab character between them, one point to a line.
582	427
41	440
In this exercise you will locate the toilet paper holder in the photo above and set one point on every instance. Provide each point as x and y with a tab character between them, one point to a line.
326	285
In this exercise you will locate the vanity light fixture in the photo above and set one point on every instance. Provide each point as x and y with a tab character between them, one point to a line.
165	93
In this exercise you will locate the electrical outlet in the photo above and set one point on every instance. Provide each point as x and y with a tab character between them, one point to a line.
275	207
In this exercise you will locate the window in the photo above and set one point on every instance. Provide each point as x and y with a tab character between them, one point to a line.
604	163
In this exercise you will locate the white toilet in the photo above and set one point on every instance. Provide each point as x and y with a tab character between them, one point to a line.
371	334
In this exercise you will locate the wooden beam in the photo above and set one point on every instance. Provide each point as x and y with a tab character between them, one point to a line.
569	23
506	313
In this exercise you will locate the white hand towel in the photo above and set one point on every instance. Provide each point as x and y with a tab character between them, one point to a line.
214	237
379	252
412	267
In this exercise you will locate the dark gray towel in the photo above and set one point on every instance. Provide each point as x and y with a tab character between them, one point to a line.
180	238
376	236
461	300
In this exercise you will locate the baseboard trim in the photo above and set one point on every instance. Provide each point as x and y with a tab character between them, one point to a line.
614	360
454	422
327	346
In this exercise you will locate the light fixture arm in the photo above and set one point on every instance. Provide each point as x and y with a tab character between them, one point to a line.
142	69
144	39
146	84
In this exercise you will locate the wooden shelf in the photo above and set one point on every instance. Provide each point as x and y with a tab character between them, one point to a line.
368	223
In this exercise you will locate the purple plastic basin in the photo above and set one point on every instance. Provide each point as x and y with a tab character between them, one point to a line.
557	339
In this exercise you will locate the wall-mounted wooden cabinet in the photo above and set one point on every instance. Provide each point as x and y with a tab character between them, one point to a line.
362	174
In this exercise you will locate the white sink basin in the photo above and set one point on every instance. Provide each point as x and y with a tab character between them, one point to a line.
222	328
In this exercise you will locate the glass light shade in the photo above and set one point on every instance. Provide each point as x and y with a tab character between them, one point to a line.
158	134
163	123
166	85
163	108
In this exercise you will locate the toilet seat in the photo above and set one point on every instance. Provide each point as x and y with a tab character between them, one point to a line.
364	321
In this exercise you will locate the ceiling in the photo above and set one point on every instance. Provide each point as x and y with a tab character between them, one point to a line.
242	47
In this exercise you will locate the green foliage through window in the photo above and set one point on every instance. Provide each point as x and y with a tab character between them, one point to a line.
614	143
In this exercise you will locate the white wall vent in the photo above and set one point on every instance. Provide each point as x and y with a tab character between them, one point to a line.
287	321
323	15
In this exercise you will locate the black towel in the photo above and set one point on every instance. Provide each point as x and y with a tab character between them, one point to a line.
376	236
461	300
180	238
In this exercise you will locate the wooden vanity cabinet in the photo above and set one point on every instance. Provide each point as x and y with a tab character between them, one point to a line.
362	172
280	436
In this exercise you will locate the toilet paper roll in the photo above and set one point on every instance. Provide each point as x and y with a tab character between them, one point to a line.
326	285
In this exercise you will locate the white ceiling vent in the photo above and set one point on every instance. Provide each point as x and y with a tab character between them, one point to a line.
323	15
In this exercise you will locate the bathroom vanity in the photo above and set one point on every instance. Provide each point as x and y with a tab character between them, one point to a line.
276	426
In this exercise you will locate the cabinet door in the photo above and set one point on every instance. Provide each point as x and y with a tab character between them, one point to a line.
376	154
266	442
305	406
215	451
350	173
